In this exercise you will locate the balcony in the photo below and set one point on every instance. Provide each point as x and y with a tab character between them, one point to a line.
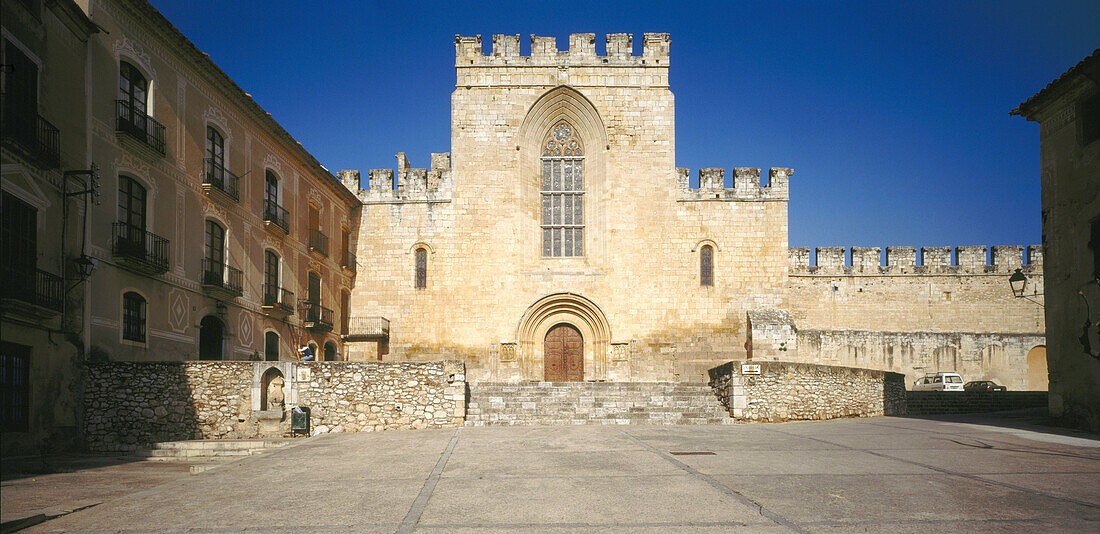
140	126
347	261
33	136
318	242
368	329
143	251
278	300
315	317
275	217
37	294
221	280
219	183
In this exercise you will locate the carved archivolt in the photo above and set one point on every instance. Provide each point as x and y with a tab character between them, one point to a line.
217	116
128	163
271	162
133	51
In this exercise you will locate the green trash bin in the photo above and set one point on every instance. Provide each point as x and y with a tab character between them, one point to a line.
299	420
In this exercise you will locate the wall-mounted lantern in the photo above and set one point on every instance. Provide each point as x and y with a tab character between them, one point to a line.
1018	282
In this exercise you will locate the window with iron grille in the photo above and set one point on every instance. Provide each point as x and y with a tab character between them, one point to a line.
421	268
15	372
562	193
706	266
133	317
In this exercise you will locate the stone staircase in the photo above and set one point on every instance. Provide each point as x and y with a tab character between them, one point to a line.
199	449
580	403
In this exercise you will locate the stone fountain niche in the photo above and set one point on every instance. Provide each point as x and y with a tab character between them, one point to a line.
272	391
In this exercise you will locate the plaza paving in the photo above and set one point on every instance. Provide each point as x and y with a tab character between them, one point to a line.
855	475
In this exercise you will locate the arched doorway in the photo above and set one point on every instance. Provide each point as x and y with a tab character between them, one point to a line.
272	394
563	351
330	352
1037	369
575	311
211	334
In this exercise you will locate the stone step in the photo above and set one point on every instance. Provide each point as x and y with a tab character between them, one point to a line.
194	449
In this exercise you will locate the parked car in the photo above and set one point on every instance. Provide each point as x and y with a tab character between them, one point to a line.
983	385
939	382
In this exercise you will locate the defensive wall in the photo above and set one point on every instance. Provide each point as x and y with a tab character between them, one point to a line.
129	405
939	310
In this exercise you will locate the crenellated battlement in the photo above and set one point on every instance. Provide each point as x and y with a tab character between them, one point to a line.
746	185
903	260
411	185
619	48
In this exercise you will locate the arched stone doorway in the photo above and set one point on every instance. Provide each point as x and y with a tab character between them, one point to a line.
1037	369
330	352
563	351
211	335
272	394
587	322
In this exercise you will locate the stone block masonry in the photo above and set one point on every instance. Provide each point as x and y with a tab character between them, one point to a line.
130	405
787	391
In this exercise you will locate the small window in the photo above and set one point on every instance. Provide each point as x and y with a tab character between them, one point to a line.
345	313
421	268
706	266
937	380
133	317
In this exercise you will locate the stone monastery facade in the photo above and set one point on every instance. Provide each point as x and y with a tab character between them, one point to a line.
558	241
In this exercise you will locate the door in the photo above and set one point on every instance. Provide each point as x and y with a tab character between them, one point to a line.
210	338
564	354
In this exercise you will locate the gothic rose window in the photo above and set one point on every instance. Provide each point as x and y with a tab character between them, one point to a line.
562	193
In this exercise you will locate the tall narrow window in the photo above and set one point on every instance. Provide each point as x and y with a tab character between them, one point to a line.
15	365
215	156
133	94
18	246
214	263
706	266
20	91
562	193
131	203
133	317
271	188
421	268
313	290
271	278
345	313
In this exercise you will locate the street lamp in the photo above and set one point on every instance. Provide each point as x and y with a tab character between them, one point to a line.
1018	282
84	267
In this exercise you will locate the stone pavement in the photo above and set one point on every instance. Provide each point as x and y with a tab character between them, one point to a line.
862	475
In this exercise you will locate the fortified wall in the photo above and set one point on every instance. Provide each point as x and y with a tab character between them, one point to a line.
939	310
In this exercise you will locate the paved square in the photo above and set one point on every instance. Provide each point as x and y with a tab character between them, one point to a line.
865	475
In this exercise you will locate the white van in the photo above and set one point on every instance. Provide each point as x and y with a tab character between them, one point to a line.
939	382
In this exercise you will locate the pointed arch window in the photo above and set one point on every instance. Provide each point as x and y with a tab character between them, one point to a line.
421	279
562	192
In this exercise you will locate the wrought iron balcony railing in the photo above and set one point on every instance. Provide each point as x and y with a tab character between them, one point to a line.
275	214
36	287
363	328
145	250
318	242
142	127
215	176
39	139
315	316
220	276
278	298
348	261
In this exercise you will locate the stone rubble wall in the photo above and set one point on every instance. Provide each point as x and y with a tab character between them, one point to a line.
130	405
788	391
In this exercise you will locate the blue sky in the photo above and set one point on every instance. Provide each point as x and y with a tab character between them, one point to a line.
894	115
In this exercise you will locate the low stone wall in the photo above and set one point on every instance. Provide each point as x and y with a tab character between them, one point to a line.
788	391
129	405
948	402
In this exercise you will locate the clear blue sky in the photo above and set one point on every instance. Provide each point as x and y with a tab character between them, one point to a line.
894	115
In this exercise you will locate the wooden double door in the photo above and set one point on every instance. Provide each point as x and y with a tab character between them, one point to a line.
563	350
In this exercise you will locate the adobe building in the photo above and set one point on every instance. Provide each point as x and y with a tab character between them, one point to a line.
558	241
1068	113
